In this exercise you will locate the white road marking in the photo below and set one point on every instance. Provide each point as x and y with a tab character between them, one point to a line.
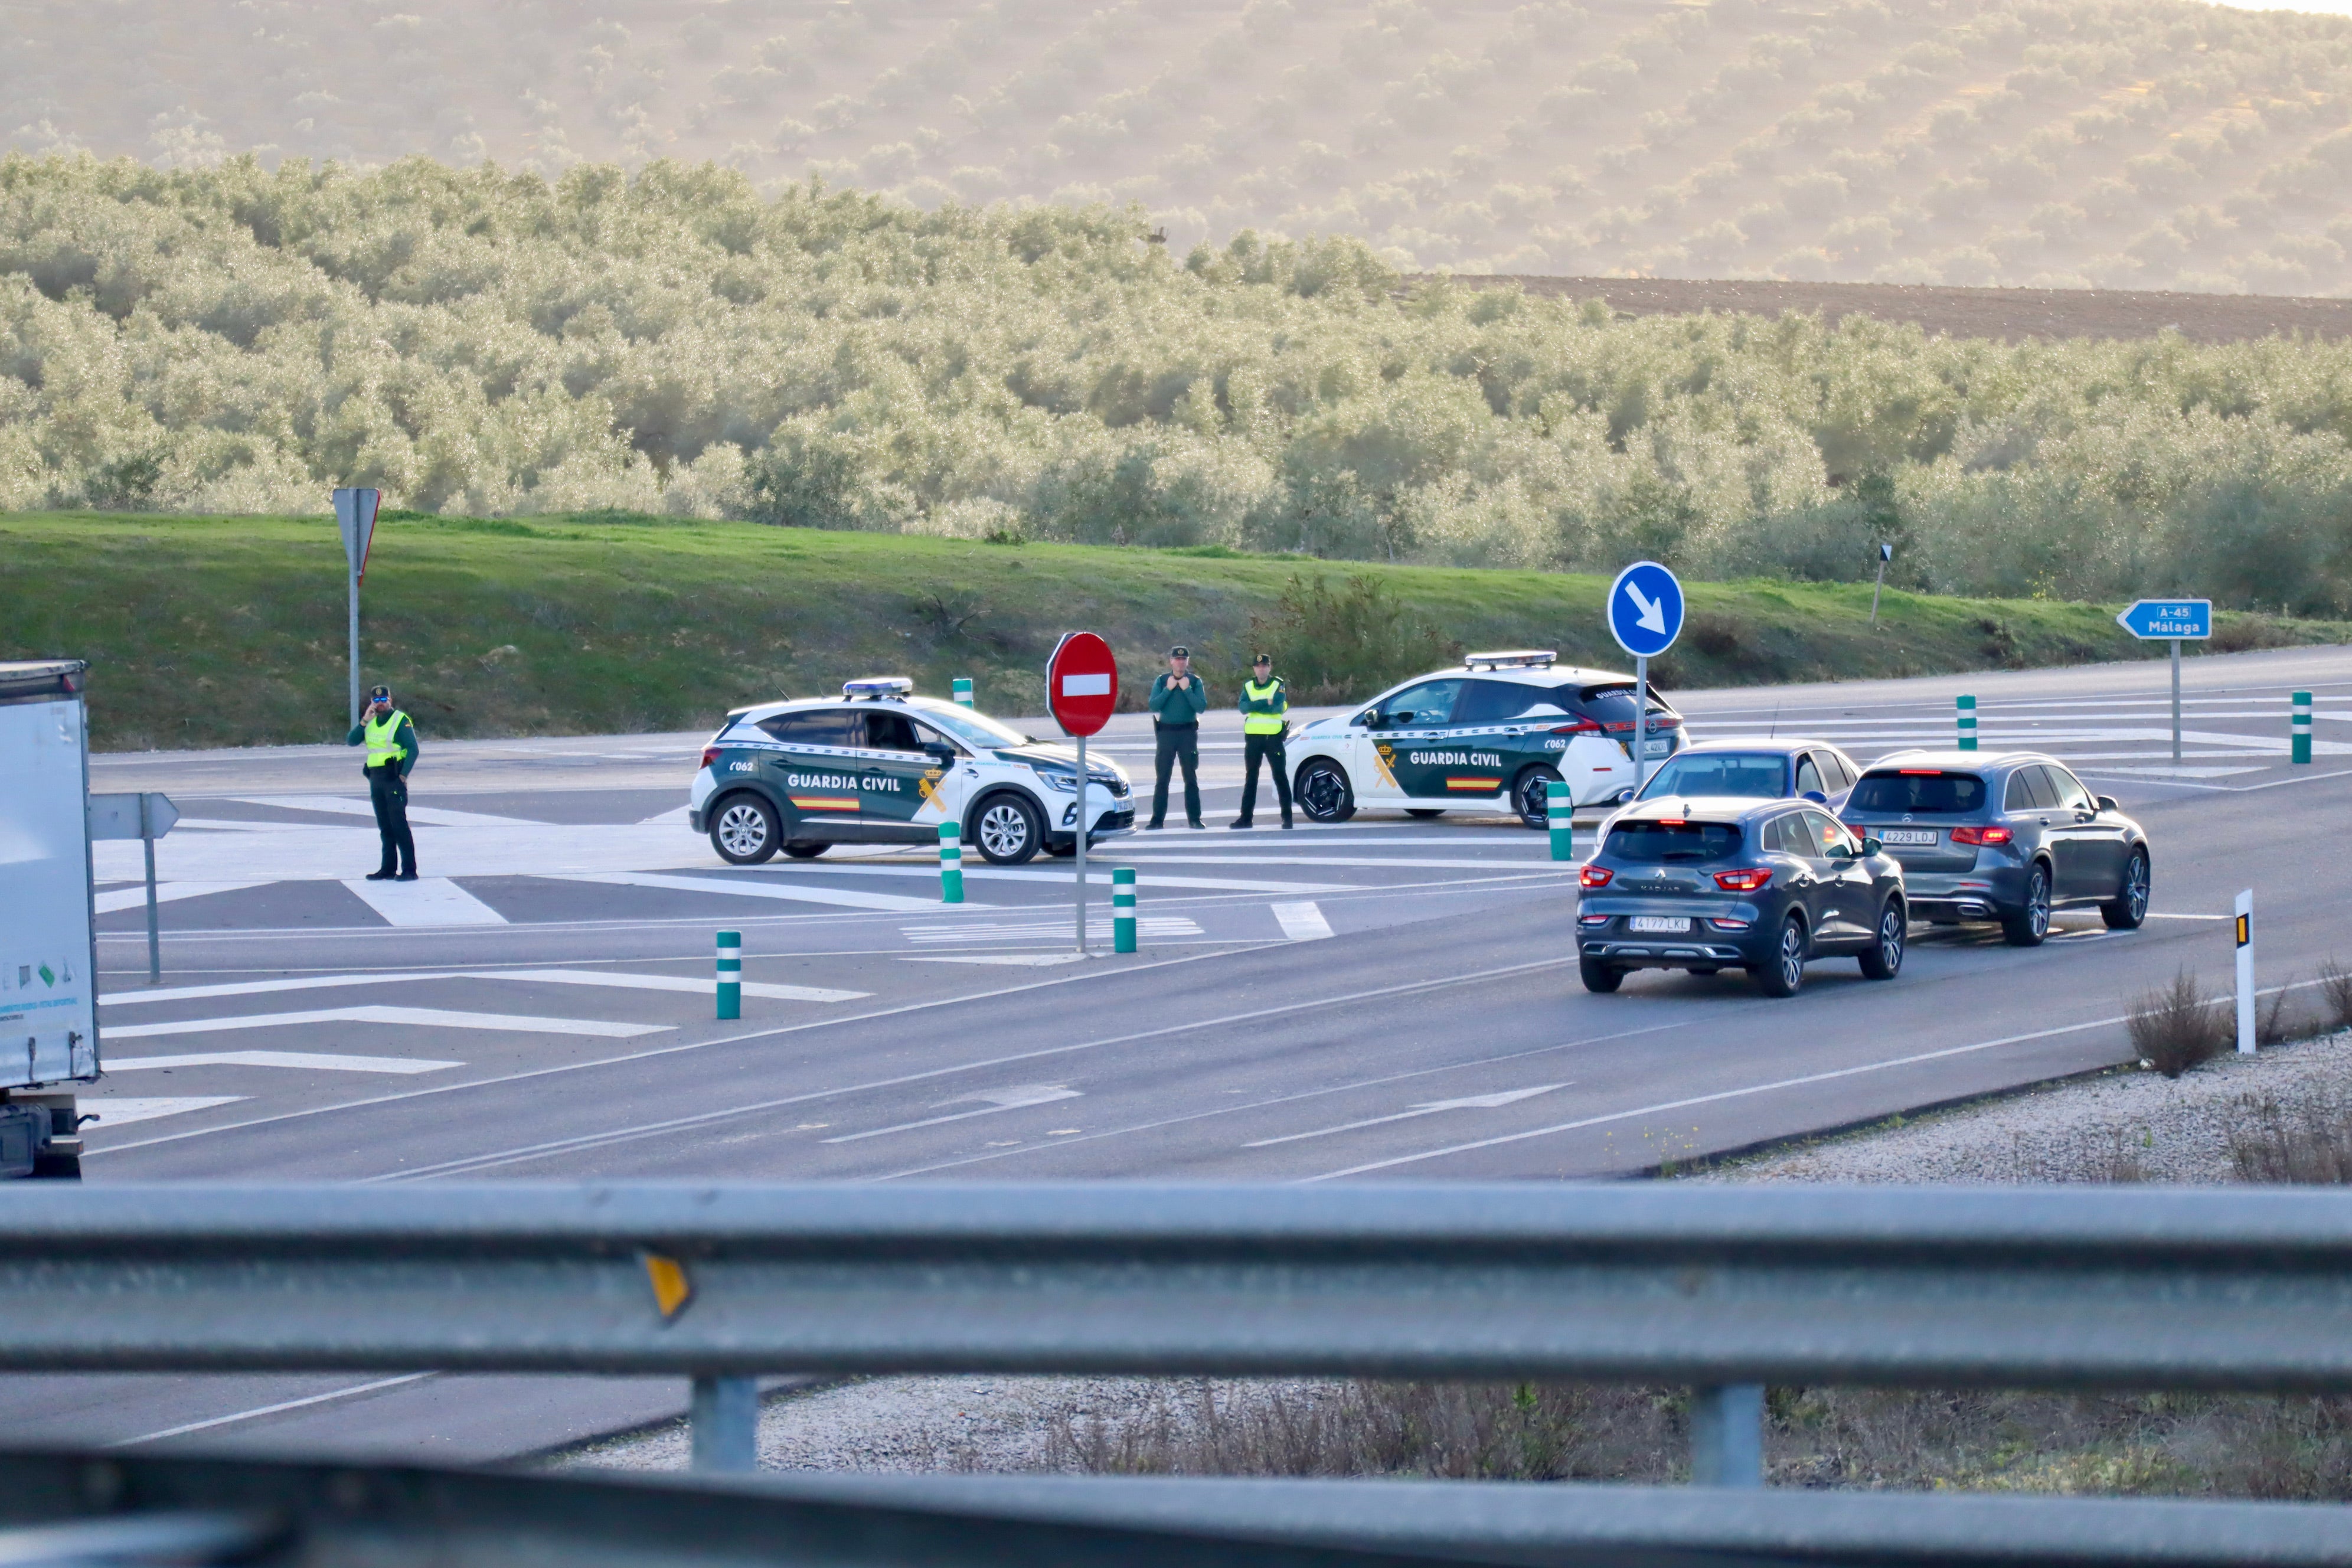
2154	916
428	901
1534	856
674	817
130	1107
1029	960
796	892
1067	878
135	897
418	815
1099	928
681	984
259	1410
308	1061
1002	1100
427	1017
1301	922
1468	1102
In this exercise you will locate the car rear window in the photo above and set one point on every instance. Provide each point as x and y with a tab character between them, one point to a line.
1656	842
1760	776
1608	704
1930	790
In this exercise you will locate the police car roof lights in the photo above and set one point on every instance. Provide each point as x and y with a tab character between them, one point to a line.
1525	658
877	686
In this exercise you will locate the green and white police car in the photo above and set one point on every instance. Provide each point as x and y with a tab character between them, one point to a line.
1487	736
879	765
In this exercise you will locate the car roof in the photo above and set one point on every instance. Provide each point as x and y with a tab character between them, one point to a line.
1771	743
1959	760
1515	675
1724	808
758	710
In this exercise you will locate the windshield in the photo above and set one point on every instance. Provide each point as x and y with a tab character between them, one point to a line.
975	729
1925	789
1658	842
1754	775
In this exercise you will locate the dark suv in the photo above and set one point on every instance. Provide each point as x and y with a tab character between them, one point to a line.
1764	886
2006	837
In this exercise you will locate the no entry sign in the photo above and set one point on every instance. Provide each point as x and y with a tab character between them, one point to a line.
1081	683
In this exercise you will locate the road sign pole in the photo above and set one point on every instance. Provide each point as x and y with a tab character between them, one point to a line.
2245	929
2176	700
950	864
1122	909
2299	748
730	974
1078	845
1966	705
1560	815
154	937
1641	723
355	644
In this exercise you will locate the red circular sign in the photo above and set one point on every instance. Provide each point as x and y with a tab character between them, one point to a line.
1081	683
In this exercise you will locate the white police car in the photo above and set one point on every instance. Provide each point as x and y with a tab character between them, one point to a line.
881	766
1488	735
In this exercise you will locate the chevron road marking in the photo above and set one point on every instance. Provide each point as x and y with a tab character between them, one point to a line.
424	1017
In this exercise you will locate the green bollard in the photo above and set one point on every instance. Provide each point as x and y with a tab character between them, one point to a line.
963	689
1123	909
950	864
1968	706
2299	747
730	974
1562	816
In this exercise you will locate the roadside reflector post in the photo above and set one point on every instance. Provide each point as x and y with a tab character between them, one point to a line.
724	1418
963	689
950	864
1968	715
730	974
2245	930
2299	747
1728	1436
1123	909
1561	818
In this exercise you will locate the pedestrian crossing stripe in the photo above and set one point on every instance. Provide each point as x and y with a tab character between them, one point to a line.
1474	783
824	803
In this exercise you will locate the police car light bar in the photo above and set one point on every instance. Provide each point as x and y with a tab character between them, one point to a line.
1526	659
877	686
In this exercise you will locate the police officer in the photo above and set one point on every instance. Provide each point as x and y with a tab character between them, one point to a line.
1177	700
1266	717
391	742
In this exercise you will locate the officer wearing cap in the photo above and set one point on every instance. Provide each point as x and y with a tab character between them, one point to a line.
1266	718
1177	700
391	742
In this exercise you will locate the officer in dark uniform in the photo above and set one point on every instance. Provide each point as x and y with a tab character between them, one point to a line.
391	742
1266	719
1177	700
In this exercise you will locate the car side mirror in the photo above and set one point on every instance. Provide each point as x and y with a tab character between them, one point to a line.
940	750
1816	796
1873	846
2107	803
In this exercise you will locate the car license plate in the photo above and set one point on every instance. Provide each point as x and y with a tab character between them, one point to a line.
1909	835
1663	924
1658	748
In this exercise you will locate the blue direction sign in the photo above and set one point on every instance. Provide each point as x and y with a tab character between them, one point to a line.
2160	618
1645	609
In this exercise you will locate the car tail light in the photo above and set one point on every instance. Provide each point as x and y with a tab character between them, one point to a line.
1581	727
1727	925
1594	877
709	755
1746	881
1981	835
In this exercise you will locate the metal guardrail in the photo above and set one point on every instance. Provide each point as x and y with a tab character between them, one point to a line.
1725	1289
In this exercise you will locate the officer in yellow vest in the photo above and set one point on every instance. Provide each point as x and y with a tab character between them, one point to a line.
391	742
1266	718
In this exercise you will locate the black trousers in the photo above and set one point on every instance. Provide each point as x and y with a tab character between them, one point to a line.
1177	742
388	792
1268	747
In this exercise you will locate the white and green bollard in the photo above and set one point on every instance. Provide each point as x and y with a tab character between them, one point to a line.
2299	748
963	689
950	864
730	974
1968	706
1123	909
1561	818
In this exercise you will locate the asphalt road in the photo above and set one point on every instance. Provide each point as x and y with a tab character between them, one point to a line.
1392	999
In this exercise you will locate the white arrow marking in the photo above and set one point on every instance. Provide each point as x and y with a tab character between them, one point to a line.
1653	619
1468	1102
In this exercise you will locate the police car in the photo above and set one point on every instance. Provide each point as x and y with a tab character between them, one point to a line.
881	766
1487	736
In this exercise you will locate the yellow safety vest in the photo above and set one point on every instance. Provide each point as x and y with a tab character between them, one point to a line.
1257	723
381	746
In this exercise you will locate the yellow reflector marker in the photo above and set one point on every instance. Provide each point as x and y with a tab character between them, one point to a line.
672	1288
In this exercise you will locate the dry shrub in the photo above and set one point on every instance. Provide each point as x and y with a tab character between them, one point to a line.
2335	994
2309	1147
2175	1027
2278	1020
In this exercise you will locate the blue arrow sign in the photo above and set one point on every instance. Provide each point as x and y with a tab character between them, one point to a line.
1645	609
2165	618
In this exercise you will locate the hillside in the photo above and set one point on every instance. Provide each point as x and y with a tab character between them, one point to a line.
2116	144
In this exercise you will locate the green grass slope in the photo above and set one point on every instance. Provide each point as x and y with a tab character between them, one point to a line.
230	631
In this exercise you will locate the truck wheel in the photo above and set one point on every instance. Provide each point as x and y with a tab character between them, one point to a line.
1323	792
745	831
56	1167
1008	830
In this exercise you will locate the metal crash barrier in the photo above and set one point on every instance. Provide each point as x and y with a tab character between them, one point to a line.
1723	1289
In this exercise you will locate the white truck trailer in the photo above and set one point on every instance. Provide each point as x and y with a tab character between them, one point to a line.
48	944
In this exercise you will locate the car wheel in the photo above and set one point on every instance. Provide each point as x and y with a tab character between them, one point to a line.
2031	922
1424	812
2128	912
1323	792
1783	974
1529	794
1008	830
806	849
1883	958
745	831
1598	976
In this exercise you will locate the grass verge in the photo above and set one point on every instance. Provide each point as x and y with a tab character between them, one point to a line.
215	631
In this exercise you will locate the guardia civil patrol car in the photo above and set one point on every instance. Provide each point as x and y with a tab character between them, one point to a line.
881	766
1487	736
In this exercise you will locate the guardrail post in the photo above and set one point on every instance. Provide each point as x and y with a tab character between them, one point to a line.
1123	909
950	864
730	974
2245	933
963	689
724	1419
1727	1434
2300	746
1968	715
1560	816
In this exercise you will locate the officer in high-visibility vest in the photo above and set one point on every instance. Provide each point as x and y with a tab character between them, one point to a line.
391	742
1266	718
